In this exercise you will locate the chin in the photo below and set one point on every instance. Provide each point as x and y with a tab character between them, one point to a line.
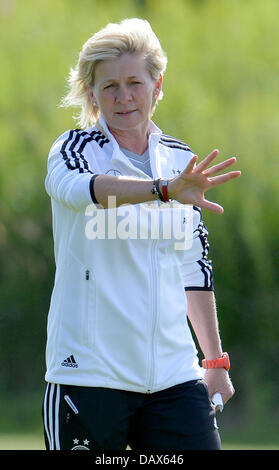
126	123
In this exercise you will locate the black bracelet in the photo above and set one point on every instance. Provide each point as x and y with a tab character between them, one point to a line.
156	189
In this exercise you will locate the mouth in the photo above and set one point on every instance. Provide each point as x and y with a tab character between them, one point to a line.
125	113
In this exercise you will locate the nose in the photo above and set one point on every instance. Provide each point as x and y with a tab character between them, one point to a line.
123	94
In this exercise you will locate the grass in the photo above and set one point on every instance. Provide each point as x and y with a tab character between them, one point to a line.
36	442
242	446
21	442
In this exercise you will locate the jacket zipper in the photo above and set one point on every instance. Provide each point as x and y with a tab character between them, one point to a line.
154	313
154	316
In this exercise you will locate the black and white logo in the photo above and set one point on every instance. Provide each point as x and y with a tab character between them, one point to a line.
114	172
78	446
69	362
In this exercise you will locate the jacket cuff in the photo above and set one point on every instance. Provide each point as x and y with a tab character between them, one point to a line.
91	188
211	288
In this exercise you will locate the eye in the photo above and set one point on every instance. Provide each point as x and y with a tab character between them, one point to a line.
108	86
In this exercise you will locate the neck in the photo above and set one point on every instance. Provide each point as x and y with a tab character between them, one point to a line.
132	139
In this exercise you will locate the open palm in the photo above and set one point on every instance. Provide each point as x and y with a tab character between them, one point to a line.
191	184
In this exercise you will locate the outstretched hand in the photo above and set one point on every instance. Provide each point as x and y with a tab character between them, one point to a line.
191	184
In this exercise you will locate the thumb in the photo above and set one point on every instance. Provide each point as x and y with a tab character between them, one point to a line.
211	206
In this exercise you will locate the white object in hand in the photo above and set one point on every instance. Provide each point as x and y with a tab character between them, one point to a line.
217	402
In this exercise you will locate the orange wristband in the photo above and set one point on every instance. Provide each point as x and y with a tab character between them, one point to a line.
165	190
217	363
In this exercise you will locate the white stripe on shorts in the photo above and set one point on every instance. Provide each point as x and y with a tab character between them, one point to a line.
51	415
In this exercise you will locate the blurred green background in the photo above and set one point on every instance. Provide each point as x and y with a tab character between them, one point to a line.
221	90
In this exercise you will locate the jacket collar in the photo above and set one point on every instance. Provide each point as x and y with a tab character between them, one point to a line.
103	127
119	157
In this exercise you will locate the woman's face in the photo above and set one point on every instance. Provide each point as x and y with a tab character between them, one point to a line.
125	91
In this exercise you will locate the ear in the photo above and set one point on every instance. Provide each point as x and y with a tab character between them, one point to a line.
92	97
158	85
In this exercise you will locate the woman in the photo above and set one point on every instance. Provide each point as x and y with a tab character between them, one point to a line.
122	367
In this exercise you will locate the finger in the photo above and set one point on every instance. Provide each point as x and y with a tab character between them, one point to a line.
226	396
189	168
211	206
217	180
220	167
206	162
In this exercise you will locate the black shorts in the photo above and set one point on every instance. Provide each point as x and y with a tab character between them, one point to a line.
178	418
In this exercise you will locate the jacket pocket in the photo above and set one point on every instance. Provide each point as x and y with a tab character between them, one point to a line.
89	327
79	315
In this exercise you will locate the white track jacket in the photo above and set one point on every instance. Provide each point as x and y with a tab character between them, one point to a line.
118	311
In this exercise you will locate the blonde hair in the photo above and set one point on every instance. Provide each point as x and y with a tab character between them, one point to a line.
129	36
